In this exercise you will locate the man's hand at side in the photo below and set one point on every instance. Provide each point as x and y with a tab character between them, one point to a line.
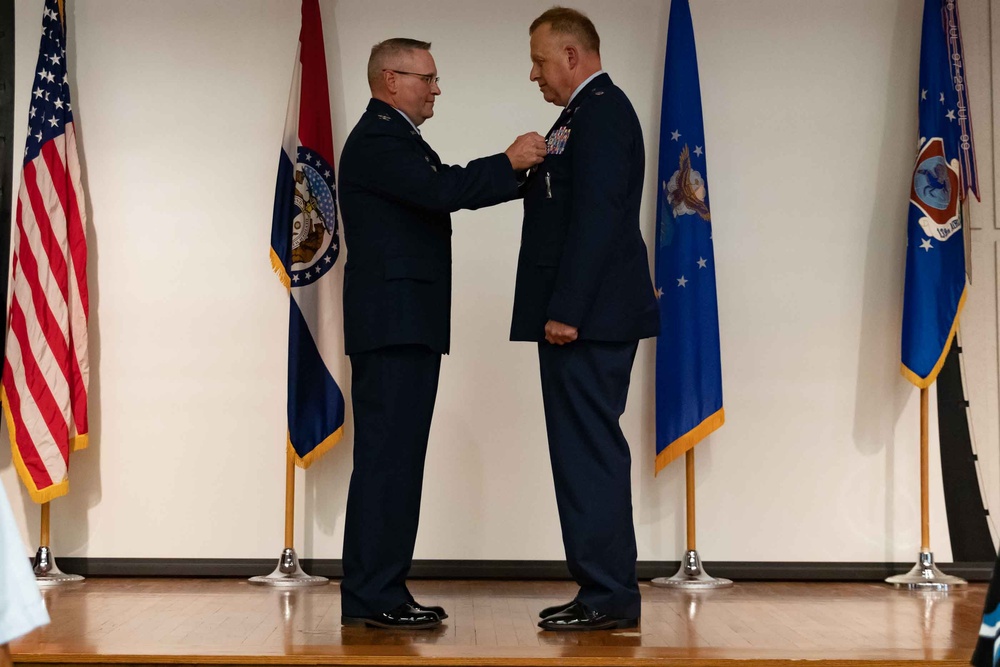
558	333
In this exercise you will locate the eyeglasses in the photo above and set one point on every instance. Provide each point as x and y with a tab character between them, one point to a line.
429	79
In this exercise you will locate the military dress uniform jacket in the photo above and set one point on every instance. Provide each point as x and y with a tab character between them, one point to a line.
396	197
583	261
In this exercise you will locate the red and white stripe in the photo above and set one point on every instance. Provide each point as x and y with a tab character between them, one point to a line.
46	369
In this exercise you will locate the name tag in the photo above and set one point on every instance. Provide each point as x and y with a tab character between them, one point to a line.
556	143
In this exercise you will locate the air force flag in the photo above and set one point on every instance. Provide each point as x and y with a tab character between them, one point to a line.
305	245
688	366
944	174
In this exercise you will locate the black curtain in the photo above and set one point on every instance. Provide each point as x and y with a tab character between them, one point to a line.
967	523
6	153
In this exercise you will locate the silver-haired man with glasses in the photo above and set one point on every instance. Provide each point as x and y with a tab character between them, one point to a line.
396	197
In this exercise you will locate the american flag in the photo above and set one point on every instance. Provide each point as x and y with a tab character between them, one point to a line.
46	371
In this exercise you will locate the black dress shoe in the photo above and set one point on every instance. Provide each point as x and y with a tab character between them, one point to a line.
559	608
578	617
406	616
442	614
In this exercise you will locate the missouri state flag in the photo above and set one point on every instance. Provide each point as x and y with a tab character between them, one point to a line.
46	365
305	246
688	365
943	176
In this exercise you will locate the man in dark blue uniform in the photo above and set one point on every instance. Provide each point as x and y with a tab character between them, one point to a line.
396	197
584	294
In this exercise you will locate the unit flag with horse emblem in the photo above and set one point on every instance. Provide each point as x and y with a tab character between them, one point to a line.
943	176
305	245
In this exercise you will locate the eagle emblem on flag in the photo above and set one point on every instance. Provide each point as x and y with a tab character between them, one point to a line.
685	191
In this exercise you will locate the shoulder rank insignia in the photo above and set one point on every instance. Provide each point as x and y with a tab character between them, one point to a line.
382	116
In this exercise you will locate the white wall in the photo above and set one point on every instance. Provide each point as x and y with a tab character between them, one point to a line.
811	126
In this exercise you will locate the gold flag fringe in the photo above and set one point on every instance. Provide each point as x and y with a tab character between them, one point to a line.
684	443
279	270
320	449
925	382
40	496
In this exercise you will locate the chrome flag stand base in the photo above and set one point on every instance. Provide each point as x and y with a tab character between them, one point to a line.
289	574
47	573
691	576
924	576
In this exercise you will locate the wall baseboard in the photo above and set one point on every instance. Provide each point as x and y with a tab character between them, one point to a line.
507	569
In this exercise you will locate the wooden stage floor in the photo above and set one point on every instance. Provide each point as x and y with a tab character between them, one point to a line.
229	622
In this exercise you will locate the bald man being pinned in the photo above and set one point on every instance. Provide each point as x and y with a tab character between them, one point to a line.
584	295
396	197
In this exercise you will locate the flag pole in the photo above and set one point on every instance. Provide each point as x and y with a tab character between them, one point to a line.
288	573
46	524
925	507
47	573
925	575
689	487
290	500
691	575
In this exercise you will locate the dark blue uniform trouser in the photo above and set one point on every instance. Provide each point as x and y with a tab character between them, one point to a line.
584	388
393	391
